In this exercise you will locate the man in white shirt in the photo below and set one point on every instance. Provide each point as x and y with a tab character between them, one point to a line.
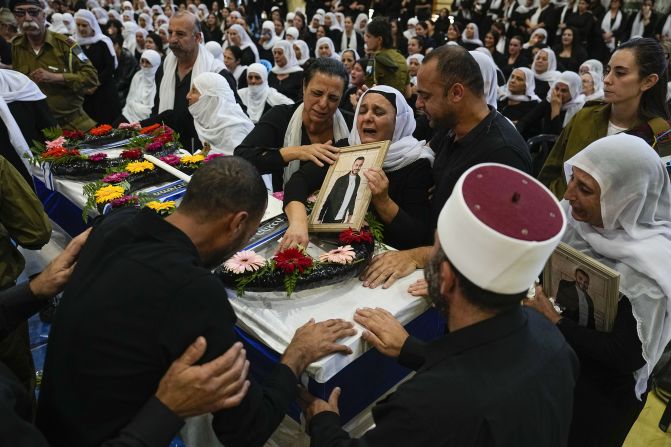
340	203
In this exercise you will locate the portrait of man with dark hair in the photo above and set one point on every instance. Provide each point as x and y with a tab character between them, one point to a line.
339	205
572	296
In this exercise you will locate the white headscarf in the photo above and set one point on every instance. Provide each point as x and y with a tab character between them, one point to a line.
320	19
305	51
215	50
69	22
329	42
15	86
419	57
606	27
598	87
335	25
595	66
540	31
359	21
245	41
551	73
57	25
114	13
488	70
140	99
128	33
273	37
98	35
530	92
255	97
101	15
205	62
353	42
292	64
404	149
476	35
574	83
410	32
636	236
144	33
292	32
128	15
149	22
218	119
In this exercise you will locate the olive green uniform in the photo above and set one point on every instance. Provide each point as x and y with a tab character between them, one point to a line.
388	67
60	54
24	223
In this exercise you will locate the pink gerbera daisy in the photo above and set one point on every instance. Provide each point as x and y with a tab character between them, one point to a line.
244	261
340	255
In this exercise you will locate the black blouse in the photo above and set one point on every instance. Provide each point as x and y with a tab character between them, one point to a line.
103	105
291	87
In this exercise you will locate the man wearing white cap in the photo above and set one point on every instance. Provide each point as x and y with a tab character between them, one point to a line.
501	376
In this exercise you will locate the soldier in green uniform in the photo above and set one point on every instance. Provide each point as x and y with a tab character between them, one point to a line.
55	63
386	66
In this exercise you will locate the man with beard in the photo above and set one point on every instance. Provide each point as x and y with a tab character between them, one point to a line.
339	205
187	59
501	376
450	91
141	292
55	63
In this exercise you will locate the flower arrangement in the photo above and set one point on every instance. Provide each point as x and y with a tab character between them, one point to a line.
192	159
162	208
99	156
115	177
108	193
131	154
293	268
101	130
135	167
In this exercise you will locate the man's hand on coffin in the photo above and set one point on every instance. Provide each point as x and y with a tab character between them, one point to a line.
383	331
312	341
419	288
190	390
387	267
312	405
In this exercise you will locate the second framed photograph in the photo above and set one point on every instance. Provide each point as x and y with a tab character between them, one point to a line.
586	290
344	196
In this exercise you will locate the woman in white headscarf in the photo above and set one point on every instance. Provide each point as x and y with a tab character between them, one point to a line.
100	51
237	36
218	119
128	33
360	23
618	204
57	25
489	75
286	75
292	34
325	48
414	61
470	38
317	20
592	86
140	36
592	65
69	22
302	51
540	36
140	99
145	22
399	190
545	70
101	16
215	50
267	40
258	96
517	98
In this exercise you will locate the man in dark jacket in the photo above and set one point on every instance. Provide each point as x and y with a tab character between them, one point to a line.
339	205
573	297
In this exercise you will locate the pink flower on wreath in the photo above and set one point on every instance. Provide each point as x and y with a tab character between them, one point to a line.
154	147
212	157
340	255
99	156
124	201
279	195
115	178
172	159
132	126
244	261
58	142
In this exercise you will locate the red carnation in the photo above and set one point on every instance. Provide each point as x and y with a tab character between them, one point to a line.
73	134
350	236
292	259
131	154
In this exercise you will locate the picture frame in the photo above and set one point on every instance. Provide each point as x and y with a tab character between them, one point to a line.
344	197
586	290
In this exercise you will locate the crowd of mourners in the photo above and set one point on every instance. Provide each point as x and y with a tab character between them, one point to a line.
571	93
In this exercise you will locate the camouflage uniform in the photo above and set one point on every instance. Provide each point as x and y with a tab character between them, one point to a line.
388	67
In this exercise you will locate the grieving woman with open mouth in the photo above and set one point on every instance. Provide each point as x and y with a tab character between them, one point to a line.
400	190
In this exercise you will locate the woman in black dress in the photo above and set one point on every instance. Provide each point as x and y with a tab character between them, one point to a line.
101	104
570	54
519	97
515	57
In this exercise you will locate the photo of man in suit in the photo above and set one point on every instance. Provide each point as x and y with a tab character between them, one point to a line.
339	205
572	296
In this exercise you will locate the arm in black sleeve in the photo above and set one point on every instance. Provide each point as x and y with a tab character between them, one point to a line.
412	353
619	349
17	304
304	182
106	70
262	146
157	79
532	118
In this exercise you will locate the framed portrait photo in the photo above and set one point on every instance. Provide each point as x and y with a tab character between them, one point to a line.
344	196
585	290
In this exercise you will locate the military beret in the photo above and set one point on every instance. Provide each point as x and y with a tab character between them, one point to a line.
14	3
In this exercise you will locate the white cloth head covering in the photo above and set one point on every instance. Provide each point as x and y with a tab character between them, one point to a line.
418	56
539	31
15	86
140	99
359	21
69	22
128	33
292	64
606	27
488	70
255	97
499	227
305	51
161	20
636	236
404	149
574	83
98	35
57	25
128	15
410	32
270	26
329	42
114	13
353	40
215	50
149	22
218	119
530	92
476	35
598	87
551	73
335	25
101	15
245	40
293	32
320	20
595	66
205	62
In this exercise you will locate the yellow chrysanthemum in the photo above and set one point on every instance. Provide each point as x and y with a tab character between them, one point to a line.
109	193
139	166
161	207
188	159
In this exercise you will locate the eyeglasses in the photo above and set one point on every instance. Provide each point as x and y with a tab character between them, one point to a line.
34	12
